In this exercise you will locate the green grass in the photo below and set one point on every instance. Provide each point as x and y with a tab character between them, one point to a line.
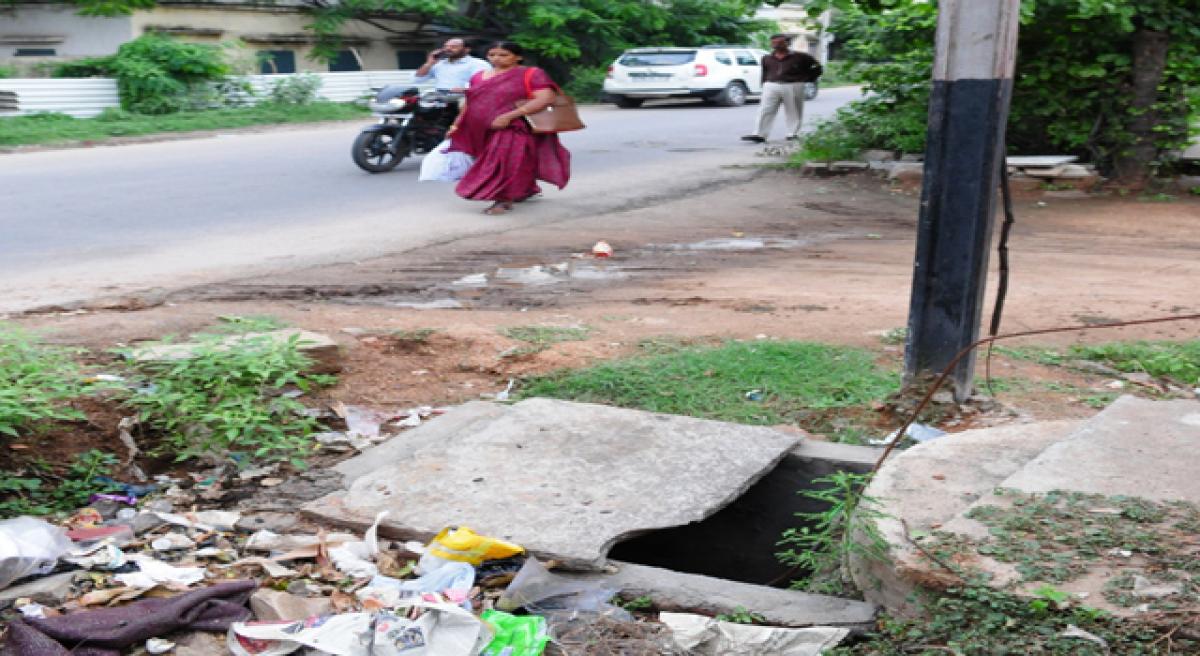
543	336
60	129
236	324
1178	361
796	380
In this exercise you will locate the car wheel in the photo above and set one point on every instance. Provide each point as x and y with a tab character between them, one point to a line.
810	90
625	102
734	95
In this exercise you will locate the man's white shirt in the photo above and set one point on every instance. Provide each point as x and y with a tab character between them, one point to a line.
454	73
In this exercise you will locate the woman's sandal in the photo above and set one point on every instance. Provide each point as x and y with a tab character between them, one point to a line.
499	207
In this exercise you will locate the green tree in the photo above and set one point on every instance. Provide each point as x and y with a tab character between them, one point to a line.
560	34
1115	81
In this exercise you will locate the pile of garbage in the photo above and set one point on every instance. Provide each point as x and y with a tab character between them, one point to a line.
130	576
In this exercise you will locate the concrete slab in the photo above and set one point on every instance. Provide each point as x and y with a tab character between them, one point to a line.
1135	447
1039	161
921	489
675	591
565	480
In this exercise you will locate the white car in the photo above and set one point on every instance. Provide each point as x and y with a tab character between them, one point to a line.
726	75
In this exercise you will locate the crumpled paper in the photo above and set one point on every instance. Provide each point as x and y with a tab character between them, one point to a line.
442	630
705	636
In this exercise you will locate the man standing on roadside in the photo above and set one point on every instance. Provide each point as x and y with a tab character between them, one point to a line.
451	67
783	76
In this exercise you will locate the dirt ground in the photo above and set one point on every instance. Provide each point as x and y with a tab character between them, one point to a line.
780	256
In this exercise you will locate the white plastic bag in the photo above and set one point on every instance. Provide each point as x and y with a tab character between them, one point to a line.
29	546
442	166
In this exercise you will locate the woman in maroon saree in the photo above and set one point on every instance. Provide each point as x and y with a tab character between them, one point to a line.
509	157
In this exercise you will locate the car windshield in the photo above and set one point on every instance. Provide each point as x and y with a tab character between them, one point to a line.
658	58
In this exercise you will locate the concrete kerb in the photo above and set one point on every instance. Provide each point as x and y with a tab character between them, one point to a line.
677	591
926	486
1134	448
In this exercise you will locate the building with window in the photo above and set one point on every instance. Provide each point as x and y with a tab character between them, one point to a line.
33	34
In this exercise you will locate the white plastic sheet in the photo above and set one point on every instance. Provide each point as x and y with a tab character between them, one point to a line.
442	166
29	546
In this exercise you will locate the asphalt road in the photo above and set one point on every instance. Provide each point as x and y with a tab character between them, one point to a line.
85	222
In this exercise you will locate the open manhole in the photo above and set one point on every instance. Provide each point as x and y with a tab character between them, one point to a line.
740	541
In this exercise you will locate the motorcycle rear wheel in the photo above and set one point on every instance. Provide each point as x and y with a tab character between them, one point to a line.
375	152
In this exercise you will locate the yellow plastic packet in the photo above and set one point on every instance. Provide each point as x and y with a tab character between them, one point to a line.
461	544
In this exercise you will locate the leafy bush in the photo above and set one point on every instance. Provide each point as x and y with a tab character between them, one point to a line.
30	492
36	383
155	74
7	72
841	73
228	396
299	89
87	67
587	83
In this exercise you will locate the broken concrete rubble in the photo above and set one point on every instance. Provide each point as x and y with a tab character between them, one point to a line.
580	474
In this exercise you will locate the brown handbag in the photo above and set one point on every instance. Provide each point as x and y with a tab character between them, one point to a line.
559	116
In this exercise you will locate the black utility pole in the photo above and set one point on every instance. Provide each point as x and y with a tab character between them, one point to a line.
968	110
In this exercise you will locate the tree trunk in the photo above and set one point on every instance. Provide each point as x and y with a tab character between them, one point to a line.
1132	166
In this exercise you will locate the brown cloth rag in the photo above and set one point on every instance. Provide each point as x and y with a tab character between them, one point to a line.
106	631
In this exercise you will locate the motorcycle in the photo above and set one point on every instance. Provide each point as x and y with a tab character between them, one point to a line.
410	123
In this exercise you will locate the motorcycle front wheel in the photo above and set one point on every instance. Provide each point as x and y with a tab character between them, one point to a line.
377	152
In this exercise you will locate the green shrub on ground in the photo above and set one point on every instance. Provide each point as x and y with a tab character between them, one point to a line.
155	74
300	89
38	490
229	398
37	383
